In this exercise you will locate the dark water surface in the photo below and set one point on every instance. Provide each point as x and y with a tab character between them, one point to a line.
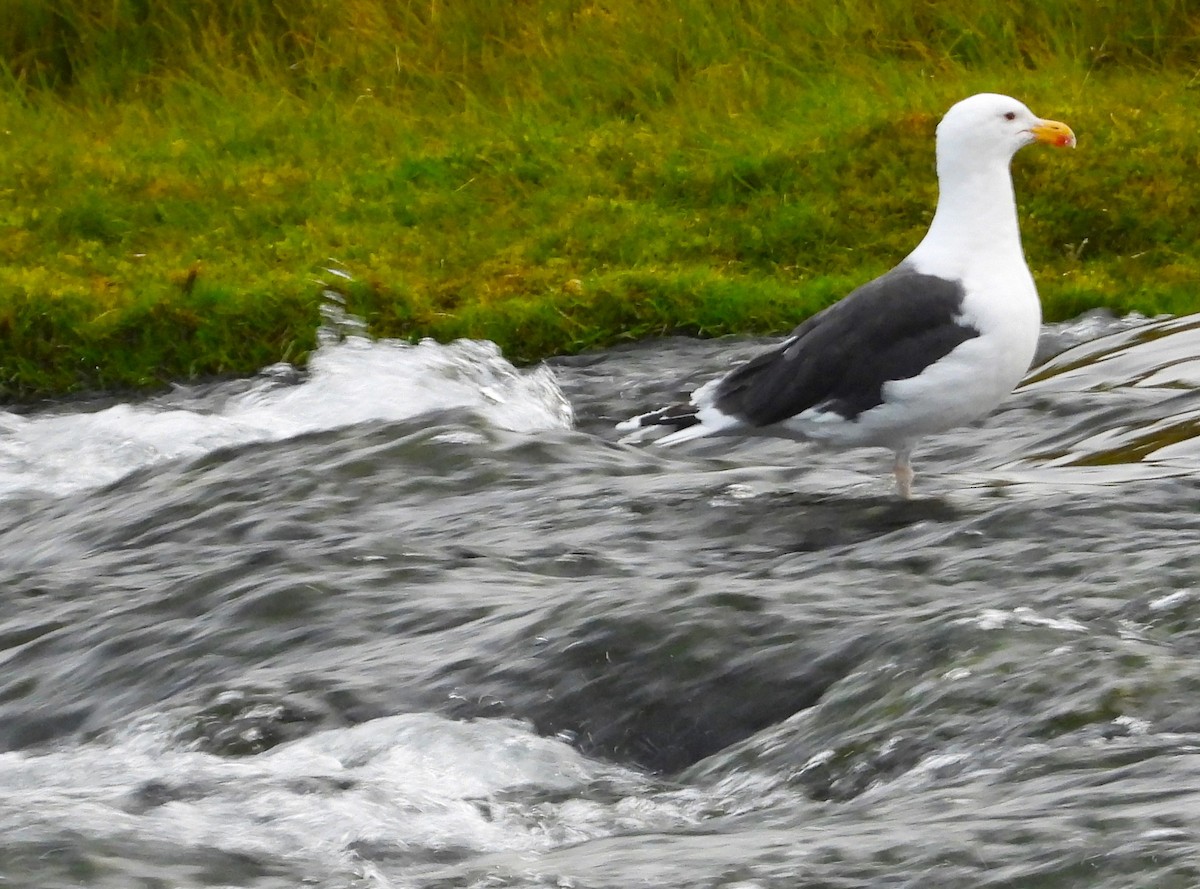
418	619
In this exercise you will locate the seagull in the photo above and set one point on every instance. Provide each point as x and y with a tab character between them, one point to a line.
934	343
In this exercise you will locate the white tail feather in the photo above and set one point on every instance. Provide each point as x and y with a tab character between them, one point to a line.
682	435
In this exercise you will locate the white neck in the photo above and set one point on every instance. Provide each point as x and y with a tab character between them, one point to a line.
976	218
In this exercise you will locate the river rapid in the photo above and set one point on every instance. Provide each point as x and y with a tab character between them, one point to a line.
417	618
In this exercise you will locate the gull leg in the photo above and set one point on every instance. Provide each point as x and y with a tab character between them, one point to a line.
904	473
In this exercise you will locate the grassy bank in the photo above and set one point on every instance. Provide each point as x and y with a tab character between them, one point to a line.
177	178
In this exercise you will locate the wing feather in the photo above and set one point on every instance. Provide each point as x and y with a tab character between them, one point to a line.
891	328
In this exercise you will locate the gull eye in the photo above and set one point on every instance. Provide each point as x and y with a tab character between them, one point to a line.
1011	115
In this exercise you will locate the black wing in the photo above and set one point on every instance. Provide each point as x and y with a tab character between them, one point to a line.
891	328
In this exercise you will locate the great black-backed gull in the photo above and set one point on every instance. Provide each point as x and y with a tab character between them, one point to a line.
934	343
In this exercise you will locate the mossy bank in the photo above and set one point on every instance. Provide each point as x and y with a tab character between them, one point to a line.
178	179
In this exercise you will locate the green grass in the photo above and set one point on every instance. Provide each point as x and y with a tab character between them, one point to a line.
177	177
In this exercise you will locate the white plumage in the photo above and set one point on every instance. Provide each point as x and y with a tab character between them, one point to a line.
935	343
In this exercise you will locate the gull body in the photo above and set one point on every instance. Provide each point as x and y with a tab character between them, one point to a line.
935	343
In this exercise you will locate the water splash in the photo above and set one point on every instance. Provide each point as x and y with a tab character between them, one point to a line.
351	379
405	791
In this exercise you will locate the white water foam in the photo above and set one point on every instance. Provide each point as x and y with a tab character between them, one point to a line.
403	790
349	381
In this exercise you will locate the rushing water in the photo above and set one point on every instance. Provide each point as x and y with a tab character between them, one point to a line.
416	618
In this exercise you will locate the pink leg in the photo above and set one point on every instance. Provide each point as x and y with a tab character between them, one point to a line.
904	473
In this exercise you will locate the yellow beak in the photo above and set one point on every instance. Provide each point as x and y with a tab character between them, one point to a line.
1053	133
